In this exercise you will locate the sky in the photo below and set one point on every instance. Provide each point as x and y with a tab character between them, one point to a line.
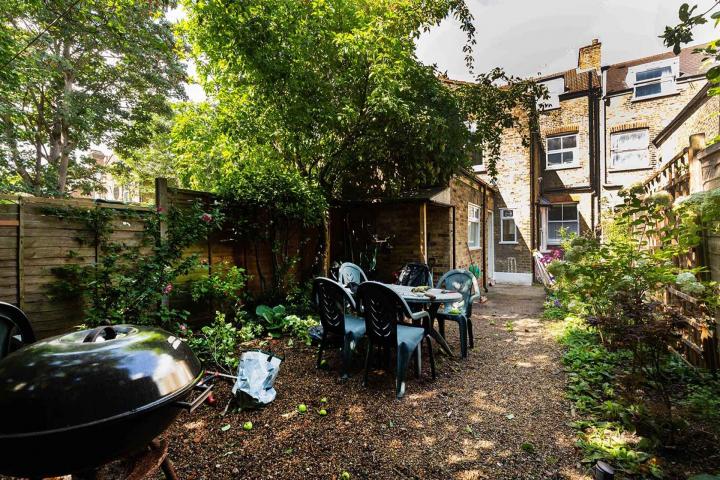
531	37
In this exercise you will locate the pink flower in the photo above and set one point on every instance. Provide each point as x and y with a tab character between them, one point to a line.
168	288
206	217
183	327
160	209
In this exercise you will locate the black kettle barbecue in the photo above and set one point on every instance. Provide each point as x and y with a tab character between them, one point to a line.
74	402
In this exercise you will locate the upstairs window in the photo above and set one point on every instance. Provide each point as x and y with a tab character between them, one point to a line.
508	229
561	217
473	226
653	80
629	150
475	153
555	88
562	151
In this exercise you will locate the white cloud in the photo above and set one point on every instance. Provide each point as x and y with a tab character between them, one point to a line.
527	37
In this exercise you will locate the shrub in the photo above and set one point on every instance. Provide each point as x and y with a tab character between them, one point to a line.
216	343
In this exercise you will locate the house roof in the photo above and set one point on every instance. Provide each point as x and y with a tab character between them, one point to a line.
696	102
575	82
691	64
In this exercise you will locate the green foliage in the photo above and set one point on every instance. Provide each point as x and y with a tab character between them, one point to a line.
273	319
98	73
224	287
334	89
299	327
128	283
217	343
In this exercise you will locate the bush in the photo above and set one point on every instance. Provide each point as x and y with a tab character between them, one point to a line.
224	287
216	344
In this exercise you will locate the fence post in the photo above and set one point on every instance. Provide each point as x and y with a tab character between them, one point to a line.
697	144
20	260
161	204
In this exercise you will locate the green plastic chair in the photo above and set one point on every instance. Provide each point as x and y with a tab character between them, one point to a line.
384	312
15	329
465	283
332	302
349	273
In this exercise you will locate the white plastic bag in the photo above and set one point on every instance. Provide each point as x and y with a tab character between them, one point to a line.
256	375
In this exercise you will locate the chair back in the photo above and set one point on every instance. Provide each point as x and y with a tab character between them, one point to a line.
465	283
415	274
331	300
351	273
13	322
383	309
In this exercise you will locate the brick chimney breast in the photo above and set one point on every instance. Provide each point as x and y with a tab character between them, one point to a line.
590	56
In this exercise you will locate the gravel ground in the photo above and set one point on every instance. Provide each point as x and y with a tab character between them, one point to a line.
500	414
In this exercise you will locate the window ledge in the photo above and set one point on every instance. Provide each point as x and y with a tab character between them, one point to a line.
507	243
653	97
472	249
629	169
564	167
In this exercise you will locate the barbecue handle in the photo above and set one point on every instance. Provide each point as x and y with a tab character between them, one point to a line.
107	332
197	401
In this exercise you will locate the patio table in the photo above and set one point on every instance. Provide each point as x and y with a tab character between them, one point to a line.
433	302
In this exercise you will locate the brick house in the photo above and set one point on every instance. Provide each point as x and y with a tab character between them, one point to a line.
594	138
443	227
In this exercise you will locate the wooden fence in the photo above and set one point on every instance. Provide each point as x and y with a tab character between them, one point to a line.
35	237
694	169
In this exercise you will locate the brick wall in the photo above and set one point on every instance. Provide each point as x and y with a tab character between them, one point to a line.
703	120
622	113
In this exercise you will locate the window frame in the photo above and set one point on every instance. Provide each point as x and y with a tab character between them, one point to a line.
558	241
645	166
667	82
471	220
502	229
575	151
555	87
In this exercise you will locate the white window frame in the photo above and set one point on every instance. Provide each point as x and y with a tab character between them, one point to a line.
575	151
547	222
646	150
503	217
474	218
667	81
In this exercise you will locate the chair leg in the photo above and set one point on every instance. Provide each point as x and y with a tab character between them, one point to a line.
431	355
367	362
320	351
346	356
470	333
441	327
403	358
462	327
418	360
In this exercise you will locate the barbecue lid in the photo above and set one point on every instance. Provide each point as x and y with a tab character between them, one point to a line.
93	375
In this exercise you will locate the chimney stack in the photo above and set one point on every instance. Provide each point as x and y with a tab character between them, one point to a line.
589	56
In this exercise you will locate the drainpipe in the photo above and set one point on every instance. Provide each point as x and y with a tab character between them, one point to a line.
591	150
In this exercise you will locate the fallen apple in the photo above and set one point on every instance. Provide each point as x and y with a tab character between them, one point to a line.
247	425
302	408
322	412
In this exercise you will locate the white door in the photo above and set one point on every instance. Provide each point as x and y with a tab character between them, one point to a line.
490	242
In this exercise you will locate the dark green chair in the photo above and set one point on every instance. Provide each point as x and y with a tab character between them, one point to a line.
333	302
385	311
465	283
15	329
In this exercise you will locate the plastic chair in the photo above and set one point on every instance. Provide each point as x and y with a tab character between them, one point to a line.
332	302
465	283
384	312
13	324
349	273
415	274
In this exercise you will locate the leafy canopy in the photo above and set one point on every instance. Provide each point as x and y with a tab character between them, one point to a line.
97	73
333	88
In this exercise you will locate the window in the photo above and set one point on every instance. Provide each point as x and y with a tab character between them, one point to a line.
562	151
559	217
629	150
473	226
508	229
476	159
653	80
555	88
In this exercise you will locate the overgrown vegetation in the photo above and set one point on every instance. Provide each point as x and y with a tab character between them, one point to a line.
639	403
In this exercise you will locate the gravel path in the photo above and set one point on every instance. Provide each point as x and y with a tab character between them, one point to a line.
500	414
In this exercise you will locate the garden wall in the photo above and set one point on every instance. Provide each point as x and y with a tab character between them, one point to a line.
35	236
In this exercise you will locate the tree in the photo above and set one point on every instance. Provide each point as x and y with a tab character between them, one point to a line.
77	73
682	33
335	89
